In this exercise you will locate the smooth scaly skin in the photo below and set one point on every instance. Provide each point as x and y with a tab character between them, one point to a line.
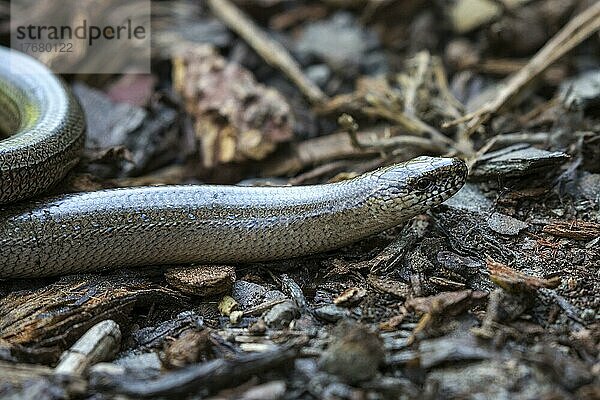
207	224
48	124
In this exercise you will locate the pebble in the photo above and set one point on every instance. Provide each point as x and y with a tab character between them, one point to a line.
355	355
467	15
281	315
505	225
331	313
589	186
319	74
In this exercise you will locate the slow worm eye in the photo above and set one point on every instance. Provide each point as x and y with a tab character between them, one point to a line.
423	184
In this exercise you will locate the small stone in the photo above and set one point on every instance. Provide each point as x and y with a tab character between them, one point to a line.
589	186
319	74
339	40
355	355
467	15
470	198
235	317
583	91
258	328
331	313
461	54
505	225
139	361
281	315
274	390
190	348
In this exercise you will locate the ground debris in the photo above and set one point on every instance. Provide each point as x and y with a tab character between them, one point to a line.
354	355
236	118
202	280
99	343
154	336
350	297
340	41
149	136
582	92
517	160
281	314
493	294
512	280
210	376
447	303
433	352
578	230
33	322
191	347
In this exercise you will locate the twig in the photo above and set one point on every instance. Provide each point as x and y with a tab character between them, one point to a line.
339	145
348	124
422	61
442	83
211	376
273	52
373	105
101	342
411	123
450	105
375	97
572	34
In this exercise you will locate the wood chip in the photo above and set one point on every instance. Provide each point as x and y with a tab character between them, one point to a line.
204	280
512	280
578	230
100	343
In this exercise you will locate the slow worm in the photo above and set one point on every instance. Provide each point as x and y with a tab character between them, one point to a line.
213	224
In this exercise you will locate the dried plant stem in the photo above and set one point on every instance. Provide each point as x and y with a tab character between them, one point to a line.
272	51
572	34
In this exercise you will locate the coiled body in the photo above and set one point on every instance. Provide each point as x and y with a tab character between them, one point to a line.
47	126
185	224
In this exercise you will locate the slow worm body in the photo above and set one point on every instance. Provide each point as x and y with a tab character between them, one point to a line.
174	224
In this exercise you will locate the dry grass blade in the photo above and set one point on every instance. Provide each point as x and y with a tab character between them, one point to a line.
572	34
273	52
